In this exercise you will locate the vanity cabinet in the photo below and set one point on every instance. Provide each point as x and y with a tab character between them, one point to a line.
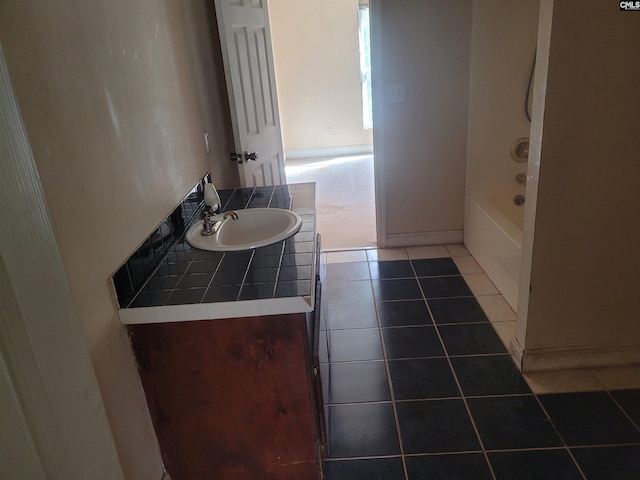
235	398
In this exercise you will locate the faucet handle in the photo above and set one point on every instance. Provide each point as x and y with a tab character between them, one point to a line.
207	226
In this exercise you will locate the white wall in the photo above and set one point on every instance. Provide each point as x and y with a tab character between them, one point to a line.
502	49
584	304
315	47
423	47
503	45
115	96
18	454
53	421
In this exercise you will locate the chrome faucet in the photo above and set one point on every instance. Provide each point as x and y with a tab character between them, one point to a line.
211	228
231	213
207	224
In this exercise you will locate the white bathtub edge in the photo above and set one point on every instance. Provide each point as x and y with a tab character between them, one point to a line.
494	247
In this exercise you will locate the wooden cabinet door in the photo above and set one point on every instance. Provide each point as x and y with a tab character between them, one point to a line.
231	399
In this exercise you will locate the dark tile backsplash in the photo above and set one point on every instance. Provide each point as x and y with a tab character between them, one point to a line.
130	278
165	270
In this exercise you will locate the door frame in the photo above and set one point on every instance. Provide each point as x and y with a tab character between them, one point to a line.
375	32
45	361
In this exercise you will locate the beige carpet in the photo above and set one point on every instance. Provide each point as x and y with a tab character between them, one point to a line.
345	198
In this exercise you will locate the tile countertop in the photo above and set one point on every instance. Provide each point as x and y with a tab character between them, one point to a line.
192	284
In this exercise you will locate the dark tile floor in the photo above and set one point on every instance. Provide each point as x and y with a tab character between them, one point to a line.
418	386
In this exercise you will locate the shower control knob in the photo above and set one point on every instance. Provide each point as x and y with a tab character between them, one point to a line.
520	150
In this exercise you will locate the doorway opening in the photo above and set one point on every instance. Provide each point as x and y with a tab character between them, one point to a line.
323	73
345	198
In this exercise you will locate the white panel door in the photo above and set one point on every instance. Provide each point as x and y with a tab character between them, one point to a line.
245	38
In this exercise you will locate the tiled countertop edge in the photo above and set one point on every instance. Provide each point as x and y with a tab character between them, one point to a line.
215	311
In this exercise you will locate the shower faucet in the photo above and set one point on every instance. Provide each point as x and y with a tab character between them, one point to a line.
521	178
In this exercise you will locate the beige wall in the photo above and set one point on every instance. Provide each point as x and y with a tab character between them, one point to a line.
52	419
115	96
423	46
502	50
503	45
315	47
584	254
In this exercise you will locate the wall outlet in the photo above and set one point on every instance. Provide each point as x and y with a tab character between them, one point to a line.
329	132
206	142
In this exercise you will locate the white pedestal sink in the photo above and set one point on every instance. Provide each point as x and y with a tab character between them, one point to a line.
255	227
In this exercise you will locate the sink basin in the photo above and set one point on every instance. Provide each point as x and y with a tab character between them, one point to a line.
255	227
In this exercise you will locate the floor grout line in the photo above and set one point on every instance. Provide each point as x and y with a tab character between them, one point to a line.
394	401
459	386
559	434
390	385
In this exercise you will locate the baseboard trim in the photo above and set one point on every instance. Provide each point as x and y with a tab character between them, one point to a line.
515	349
330	151
575	357
423	238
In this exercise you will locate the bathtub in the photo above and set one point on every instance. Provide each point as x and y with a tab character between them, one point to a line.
493	235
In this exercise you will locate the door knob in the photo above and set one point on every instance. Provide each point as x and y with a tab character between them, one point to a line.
250	156
236	157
